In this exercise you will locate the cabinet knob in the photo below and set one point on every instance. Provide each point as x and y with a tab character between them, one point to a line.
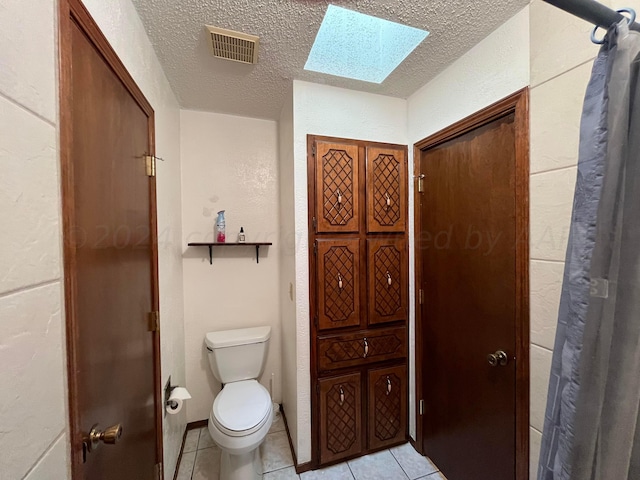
388	279
388	200
340	281
366	347
339	195
341	396
388	385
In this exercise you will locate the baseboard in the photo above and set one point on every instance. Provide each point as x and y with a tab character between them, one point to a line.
184	438
304	467
197	424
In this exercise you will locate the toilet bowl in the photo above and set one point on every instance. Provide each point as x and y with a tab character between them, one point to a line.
242	412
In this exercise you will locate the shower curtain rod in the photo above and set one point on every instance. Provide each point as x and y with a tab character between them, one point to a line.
591	11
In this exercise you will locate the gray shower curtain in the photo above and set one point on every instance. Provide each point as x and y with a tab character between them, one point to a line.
591	429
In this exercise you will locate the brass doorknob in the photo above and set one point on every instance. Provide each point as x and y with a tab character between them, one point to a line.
110	435
499	358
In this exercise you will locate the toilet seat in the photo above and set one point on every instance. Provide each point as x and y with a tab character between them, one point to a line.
241	408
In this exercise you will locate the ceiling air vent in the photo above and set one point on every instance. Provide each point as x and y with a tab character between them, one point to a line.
236	46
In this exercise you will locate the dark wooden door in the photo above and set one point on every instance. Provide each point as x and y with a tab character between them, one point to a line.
387	277
386	190
338	280
337	187
340	410
111	255
468	247
387	406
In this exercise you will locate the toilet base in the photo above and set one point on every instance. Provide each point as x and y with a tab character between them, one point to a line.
247	466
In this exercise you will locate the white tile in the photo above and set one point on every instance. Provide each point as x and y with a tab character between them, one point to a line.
377	466
54	464
556	109
33	378
540	369
29	199
278	424
205	439
185	469
207	465
27	56
551	205
275	451
191	441
535	439
288	473
546	287
335	472
559	41
413	464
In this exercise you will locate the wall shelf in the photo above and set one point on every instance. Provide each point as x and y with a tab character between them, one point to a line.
230	244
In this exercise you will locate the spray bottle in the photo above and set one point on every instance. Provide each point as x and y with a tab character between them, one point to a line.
220	228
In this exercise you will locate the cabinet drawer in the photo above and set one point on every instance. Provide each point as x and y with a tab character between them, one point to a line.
340	411
340	351
387	276
386	190
387	406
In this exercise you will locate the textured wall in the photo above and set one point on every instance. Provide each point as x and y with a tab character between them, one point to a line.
228	163
330	111
288	269
492	70
33	426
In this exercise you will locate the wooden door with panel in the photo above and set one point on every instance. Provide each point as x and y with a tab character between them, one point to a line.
387	279
386	186
387	406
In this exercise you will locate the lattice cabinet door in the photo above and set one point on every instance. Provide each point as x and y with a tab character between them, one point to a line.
337	202
386	190
387	277
387	406
340	417
338	283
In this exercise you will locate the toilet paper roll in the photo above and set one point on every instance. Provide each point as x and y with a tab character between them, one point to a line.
176	400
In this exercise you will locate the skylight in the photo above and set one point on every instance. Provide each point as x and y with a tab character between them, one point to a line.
353	45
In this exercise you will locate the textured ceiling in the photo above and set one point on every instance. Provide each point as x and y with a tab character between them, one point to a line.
287	29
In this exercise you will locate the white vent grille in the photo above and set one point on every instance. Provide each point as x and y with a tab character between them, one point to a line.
236	46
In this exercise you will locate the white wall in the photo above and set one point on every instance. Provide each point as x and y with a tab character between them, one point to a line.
228	163
495	68
288	268
32	345
329	111
561	60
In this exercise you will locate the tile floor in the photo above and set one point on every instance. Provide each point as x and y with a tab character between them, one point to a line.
201	461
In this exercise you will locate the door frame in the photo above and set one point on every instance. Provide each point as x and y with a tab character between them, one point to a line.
69	12
518	104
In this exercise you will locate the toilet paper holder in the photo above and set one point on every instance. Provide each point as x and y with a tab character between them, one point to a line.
168	390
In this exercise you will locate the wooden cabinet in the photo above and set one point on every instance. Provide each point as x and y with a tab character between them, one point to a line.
358	265
338	283
337	178
340	407
387	278
386	184
387	406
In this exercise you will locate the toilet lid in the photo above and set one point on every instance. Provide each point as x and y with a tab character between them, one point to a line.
241	405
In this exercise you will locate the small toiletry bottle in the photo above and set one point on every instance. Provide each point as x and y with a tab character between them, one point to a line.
241	237
220	228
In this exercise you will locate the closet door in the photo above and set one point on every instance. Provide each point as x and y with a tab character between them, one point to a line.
340	410
387	406
387	276
386	190
337	192
338	283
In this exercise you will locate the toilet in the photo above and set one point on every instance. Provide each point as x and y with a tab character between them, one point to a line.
242	412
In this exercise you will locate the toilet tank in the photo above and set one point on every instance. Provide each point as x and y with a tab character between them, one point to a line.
236	355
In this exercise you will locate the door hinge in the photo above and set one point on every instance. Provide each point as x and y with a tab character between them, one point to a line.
420	179
421	407
315	248
315	224
313	150
421	296
158	471
150	164
154	321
